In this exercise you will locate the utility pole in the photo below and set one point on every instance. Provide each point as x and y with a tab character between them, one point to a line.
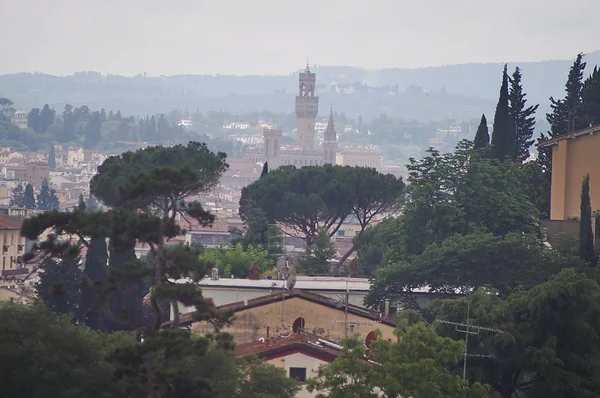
470	329
346	310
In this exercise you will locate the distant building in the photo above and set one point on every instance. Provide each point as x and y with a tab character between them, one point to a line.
19	119
36	172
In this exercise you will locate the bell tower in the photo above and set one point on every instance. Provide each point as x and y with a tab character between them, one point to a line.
330	141
307	107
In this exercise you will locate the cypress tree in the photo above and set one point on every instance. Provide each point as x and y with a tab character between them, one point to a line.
590	98
95	269
28	197
47	199
81	204
51	158
503	138
586	237
482	137
17	198
265	169
523	116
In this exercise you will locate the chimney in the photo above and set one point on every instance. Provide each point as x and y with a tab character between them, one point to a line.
268	330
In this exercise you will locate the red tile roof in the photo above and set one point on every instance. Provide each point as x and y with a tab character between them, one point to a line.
10	223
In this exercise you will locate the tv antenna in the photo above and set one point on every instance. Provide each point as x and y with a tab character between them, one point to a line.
470	329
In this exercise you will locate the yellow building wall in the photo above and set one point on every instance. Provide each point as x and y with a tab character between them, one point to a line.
571	160
251	324
13	246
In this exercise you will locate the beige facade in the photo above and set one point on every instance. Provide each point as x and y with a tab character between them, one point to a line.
13	244
36	173
273	315
573	156
299	360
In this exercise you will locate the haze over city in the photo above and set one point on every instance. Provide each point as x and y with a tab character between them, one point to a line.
275	37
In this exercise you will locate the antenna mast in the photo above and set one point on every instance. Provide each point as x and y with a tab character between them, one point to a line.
470	329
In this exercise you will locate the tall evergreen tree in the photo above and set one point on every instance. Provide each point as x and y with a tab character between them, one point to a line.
17	198
523	116
92	203
93	131
29	197
47	116
503	138
564	117
586	236
51	158
590	98
482	137
81	203
47	199
96	260
265	169
33	120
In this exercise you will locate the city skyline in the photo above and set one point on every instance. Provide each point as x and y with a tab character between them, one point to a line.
271	37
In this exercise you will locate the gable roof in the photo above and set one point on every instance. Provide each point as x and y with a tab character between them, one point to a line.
570	136
10	223
187	319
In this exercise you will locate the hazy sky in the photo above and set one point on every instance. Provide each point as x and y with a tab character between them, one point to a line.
275	36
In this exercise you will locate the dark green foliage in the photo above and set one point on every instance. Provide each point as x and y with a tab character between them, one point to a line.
92	203
464	262
373	242
28	197
45	355
47	199
590	98
316	257
535	186
482	137
60	287
92	131
550	345
95	271
81	202
523	116
586	235
504	143
51	158
308	198
17	198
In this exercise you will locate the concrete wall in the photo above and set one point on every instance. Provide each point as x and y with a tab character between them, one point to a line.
299	360
251	324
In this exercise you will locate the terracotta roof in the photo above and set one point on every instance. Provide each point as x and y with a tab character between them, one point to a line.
279	346
7	222
570	136
277	297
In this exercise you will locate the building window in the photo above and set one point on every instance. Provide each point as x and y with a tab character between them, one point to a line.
298	373
341	232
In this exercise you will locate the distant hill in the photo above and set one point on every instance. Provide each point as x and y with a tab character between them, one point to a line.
455	91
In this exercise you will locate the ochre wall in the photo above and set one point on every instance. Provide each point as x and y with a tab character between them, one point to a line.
251	324
571	160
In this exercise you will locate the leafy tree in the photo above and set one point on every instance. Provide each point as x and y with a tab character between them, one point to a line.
92	203
586	235
93	134
465	262
482	137
535	186
47	199
236	260
28	197
523	116
549	345
316	257
46	119
418	365
461	193
33	120
504	143
301	199
17	198
51	158
5	103
373	243
63	359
